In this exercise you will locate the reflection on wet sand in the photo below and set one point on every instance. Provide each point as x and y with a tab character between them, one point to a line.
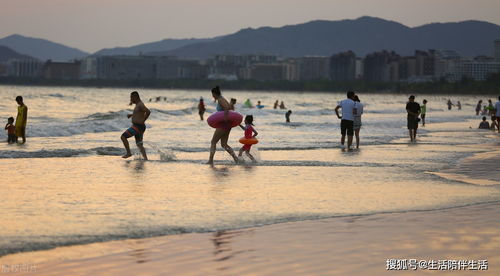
223	250
138	250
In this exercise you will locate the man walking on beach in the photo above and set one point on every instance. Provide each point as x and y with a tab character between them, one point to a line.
347	118
139	117
21	119
413	110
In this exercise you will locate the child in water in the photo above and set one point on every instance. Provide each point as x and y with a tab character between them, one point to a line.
249	133
484	124
12	138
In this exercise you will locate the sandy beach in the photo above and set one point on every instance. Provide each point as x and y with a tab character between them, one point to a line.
358	245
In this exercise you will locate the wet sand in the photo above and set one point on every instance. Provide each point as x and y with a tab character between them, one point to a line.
356	245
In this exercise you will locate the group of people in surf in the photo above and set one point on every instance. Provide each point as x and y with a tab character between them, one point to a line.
350	124
490	110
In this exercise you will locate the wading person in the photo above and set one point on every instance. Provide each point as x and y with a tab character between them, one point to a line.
221	134
139	117
413	110
21	119
347	118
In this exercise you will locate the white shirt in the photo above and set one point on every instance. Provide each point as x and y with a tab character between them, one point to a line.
359	109
497	108
347	106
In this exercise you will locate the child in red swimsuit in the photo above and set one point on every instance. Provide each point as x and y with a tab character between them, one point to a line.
249	133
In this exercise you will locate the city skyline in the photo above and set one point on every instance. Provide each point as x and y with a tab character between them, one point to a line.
113	23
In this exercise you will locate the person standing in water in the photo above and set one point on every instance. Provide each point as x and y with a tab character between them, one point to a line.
423	111
139	117
221	134
250	132
232	104
201	108
478	107
450	104
287	116
21	119
357	118
347	118
459	105
413	110
276	103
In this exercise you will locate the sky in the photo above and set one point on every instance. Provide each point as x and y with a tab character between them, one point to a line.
91	25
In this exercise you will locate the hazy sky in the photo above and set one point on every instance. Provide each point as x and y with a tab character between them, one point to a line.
91	25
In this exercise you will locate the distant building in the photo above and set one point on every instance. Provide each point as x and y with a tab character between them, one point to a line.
407	68
28	68
172	68
360	65
126	67
473	69
343	66
61	70
381	66
3	69
497	49
292	71
265	72
88	68
147	68
236	65
425	63
313	68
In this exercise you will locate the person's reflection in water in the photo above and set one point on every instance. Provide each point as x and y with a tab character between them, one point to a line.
223	250
221	172
136	165
138	251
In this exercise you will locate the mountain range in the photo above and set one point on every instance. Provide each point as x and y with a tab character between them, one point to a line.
159	46
363	35
7	53
322	38
41	49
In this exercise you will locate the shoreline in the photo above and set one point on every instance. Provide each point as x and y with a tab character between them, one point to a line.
297	248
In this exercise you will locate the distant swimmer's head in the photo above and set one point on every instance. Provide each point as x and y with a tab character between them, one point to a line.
10	120
134	97
249	120
19	100
201	99
356	98
411	98
484	118
424	101
350	94
233	100
216	92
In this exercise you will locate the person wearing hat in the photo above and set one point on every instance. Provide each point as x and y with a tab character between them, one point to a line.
413	109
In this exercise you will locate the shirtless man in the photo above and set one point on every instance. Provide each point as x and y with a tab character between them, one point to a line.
139	117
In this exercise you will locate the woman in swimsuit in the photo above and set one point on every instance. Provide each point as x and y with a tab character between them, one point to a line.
221	134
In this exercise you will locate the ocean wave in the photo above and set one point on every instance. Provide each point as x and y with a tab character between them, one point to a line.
111	151
64	129
175	112
107	115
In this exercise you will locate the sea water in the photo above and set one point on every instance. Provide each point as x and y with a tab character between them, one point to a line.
68	184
